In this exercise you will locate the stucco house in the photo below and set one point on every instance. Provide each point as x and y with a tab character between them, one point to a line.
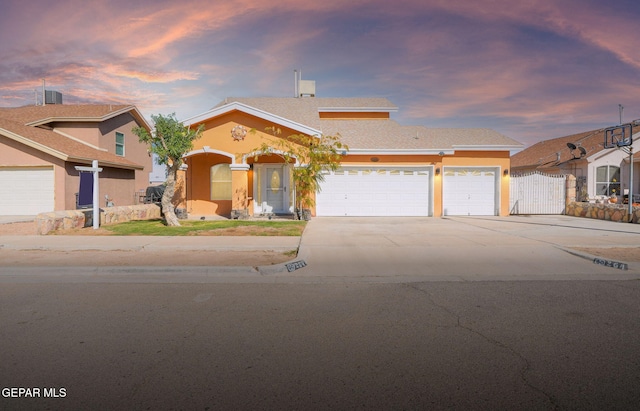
389	169
600	172
40	146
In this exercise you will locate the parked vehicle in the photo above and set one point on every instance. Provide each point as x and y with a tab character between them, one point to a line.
153	194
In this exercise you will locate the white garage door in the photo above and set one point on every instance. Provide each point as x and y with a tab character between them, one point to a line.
26	190
375	191
469	191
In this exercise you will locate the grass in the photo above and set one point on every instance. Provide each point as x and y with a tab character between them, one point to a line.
209	228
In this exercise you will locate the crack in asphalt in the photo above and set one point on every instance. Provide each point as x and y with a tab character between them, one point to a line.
525	368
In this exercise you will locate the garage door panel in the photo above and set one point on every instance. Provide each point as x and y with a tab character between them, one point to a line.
26	190
371	191
469	191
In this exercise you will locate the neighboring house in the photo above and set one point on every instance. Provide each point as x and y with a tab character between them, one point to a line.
40	146
389	169
600	172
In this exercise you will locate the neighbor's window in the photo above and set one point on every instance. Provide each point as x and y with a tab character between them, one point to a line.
119	144
221	182
608	180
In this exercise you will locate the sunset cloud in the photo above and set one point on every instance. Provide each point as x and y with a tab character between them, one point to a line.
531	70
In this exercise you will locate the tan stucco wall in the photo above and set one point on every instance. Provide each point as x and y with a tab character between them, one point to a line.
87	132
14	154
118	184
103	135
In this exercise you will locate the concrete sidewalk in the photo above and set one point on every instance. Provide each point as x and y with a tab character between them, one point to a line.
396	249
148	243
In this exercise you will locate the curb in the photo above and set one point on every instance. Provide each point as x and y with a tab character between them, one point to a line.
620	265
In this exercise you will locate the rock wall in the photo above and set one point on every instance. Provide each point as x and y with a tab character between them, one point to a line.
70	219
611	212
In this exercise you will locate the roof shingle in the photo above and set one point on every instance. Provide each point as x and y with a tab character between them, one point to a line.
373	134
14	124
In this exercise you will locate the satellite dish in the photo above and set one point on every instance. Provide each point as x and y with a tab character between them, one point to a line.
583	152
571	146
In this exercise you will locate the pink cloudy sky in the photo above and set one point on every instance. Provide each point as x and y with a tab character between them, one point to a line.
531	70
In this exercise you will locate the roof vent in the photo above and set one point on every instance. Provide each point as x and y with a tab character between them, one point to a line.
52	97
307	88
302	87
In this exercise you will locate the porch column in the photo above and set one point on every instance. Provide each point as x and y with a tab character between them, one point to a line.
240	191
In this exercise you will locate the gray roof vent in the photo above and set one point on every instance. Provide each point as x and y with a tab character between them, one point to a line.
52	97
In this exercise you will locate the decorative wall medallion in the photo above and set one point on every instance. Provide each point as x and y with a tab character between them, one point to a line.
238	133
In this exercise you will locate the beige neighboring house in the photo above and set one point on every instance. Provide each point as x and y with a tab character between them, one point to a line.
40	146
600	172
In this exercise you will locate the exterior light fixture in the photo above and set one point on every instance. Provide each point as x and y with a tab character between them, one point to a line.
438	171
505	172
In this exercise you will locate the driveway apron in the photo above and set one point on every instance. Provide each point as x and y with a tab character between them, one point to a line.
462	248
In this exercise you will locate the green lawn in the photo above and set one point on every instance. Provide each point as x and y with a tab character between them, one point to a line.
215	228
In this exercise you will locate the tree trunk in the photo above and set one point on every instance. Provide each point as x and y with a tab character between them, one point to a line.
167	198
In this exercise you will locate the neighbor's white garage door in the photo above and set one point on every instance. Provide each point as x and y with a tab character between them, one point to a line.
469	191
375	191
26	190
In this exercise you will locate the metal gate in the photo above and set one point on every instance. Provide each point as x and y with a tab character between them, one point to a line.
537	193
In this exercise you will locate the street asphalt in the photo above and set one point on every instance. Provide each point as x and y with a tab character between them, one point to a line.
454	313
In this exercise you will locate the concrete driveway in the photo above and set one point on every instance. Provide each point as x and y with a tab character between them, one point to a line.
463	248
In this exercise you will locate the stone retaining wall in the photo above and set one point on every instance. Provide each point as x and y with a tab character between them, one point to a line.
611	212
70	219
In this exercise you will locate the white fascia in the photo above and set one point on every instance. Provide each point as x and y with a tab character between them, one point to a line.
136	114
227	108
462	147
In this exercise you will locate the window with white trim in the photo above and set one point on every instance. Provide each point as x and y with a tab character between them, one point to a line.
221	182
608	180
119	144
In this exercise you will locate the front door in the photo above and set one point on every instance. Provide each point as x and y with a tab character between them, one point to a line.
274	189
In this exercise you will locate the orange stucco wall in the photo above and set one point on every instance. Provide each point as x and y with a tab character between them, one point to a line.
198	189
217	136
353	116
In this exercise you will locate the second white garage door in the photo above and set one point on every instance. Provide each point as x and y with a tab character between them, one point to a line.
375	191
26	190
469	191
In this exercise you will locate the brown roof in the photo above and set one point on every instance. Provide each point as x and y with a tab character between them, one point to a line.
544	154
20	124
39	115
374	134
